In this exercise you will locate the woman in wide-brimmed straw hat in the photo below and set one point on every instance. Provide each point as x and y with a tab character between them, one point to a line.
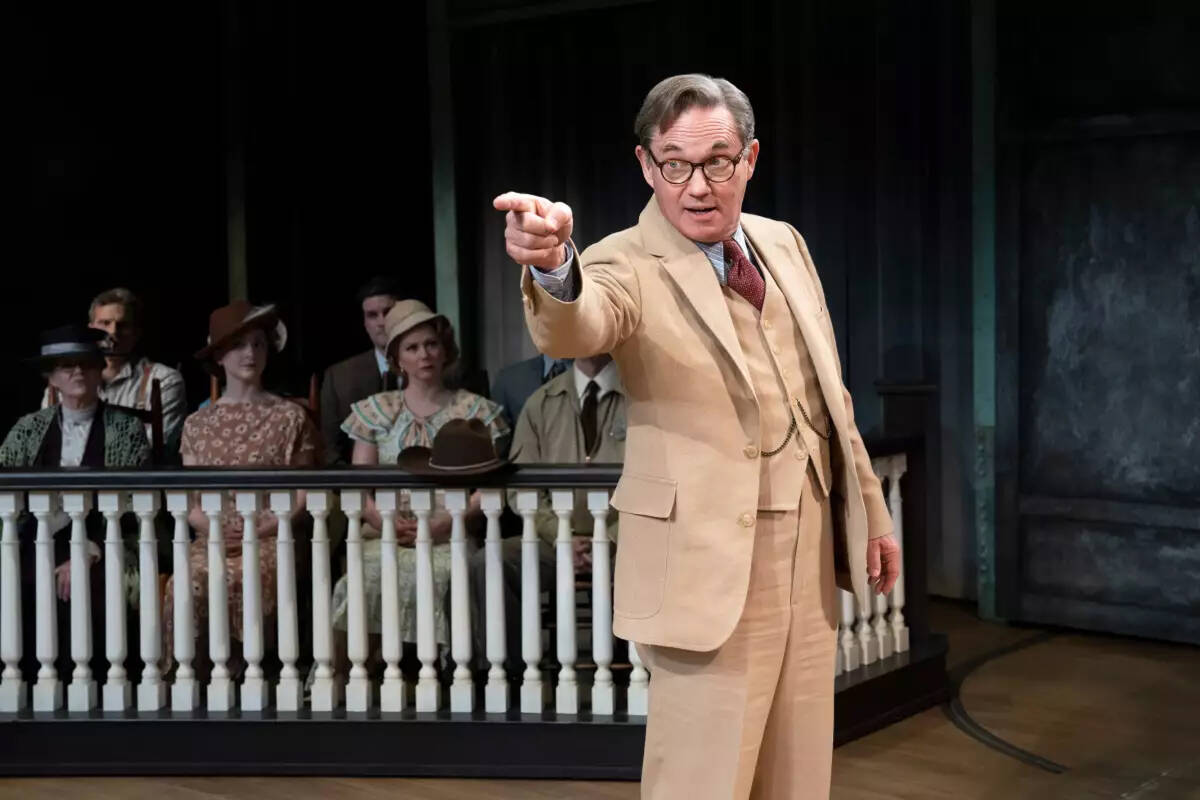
247	426
421	350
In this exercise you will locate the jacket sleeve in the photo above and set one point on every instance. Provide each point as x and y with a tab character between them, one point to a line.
605	313
879	521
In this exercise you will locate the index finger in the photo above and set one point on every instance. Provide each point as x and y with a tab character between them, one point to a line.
528	203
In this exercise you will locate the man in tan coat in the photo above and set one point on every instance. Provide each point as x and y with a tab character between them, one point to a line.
747	491
577	417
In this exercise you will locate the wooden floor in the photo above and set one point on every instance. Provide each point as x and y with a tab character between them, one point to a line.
1120	715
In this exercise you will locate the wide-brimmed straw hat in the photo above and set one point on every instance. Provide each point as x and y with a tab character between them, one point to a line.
69	342
228	322
406	315
462	447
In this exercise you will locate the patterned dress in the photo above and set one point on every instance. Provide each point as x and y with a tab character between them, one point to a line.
271	433
385	421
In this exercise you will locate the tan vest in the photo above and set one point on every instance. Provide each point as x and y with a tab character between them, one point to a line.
782	372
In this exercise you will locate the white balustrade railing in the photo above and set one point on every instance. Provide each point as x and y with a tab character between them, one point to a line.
866	635
877	631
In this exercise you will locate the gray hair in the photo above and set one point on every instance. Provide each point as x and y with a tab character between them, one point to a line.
127	299
675	95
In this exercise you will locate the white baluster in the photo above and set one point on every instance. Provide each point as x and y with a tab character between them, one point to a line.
462	690
392	693
326	692
638	697
254	687
289	690
185	693
117	693
848	643
897	624
220	685
358	689
12	689
880	631
602	641
152	692
533	690
81	692
47	691
567	696
867	643
838	666
496	691
427	683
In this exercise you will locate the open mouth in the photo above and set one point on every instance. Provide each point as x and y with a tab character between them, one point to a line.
701	213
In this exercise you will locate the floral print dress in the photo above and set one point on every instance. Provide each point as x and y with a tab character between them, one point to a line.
277	433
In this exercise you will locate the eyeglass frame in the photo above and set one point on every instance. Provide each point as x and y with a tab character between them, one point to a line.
736	160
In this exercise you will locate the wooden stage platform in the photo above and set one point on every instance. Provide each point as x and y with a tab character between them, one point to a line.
1040	714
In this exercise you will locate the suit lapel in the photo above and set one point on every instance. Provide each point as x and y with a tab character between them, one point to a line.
692	272
781	261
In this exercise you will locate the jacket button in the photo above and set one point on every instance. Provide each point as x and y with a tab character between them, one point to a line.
750	451
766	324
801	454
746	520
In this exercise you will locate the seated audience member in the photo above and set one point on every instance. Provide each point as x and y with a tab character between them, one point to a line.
247	426
80	431
360	376
128	375
420	350
576	418
516	382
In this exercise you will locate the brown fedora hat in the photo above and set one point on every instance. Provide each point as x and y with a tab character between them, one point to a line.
228	322
461	447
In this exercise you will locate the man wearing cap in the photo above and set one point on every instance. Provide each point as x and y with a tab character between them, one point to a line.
360	376
80	431
747	489
128	376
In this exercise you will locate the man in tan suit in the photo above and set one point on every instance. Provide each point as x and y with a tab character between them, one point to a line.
747	491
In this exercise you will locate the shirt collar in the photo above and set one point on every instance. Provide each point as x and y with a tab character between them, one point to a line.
125	373
381	361
80	416
716	252
548	364
607	379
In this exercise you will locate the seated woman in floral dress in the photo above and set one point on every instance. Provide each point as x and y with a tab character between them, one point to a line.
421	348
247	426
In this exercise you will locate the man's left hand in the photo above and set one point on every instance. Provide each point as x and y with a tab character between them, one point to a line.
883	563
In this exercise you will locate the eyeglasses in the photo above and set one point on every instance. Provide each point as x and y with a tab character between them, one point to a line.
717	169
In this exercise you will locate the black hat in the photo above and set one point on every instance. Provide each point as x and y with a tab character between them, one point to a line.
73	342
461	447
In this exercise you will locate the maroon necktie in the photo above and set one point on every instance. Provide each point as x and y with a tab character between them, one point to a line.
742	277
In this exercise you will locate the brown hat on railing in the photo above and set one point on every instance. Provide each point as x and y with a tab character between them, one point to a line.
462	447
228	322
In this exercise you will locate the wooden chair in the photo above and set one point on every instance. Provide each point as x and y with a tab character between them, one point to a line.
152	416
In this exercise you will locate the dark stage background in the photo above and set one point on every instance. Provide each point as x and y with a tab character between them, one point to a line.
155	135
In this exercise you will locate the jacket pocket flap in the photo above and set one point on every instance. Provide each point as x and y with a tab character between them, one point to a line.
644	495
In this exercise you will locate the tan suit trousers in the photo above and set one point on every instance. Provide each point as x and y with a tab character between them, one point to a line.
754	718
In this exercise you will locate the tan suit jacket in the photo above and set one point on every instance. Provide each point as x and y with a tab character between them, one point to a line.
688	495
549	432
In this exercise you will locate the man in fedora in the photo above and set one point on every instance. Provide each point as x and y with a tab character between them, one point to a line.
79	431
362	375
747	489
